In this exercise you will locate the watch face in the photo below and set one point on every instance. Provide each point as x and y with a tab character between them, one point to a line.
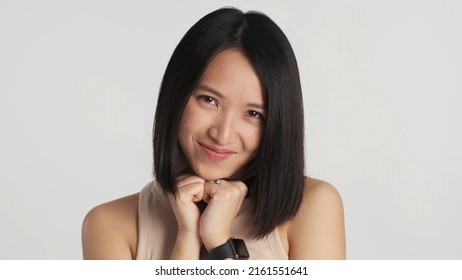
241	249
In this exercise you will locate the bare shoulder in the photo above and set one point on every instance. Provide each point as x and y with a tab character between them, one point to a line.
320	192
109	231
318	230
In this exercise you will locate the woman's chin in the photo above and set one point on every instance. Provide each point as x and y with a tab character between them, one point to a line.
212	174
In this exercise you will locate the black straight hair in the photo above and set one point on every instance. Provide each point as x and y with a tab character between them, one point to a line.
274	177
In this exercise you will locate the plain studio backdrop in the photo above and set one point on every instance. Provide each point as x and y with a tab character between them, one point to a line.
381	83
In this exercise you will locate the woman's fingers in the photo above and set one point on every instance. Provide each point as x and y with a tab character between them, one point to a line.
224	201
190	189
225	190
191	192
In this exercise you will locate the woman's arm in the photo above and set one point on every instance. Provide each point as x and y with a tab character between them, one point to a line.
109	231
318	230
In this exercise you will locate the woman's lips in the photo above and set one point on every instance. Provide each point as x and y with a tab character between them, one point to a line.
214	153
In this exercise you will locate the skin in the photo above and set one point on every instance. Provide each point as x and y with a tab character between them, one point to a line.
219	133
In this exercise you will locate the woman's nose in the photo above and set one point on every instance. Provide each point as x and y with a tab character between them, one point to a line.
223	130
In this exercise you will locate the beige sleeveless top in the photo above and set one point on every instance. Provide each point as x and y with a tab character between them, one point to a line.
157	230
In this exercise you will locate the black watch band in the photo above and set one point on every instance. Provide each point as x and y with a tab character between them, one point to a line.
231	249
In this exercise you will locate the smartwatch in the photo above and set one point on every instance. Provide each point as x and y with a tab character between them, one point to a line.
233	249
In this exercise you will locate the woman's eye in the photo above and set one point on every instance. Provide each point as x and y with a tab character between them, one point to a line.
207	99
255	115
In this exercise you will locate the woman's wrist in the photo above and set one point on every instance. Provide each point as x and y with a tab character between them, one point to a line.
215	241
191	238
187	246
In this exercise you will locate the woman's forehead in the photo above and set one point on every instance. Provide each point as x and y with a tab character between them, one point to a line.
230	74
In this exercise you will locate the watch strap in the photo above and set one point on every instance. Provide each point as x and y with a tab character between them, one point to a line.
232	249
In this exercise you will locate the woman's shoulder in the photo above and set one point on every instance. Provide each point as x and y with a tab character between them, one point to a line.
317	231
109	230
316	188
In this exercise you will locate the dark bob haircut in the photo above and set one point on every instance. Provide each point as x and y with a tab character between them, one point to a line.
274	176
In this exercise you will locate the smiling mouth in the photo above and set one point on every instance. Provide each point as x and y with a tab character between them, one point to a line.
216	154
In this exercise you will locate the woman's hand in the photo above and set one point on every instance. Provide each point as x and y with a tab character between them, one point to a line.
190	189
224	201
213	227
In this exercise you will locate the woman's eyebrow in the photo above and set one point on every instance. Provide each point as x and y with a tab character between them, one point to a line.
217	93
211	90
255	105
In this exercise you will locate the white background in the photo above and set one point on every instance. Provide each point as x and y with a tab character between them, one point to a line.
381	83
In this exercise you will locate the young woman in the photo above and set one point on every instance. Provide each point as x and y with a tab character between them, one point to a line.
228	158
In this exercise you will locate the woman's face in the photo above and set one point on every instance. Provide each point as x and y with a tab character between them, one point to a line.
222	124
